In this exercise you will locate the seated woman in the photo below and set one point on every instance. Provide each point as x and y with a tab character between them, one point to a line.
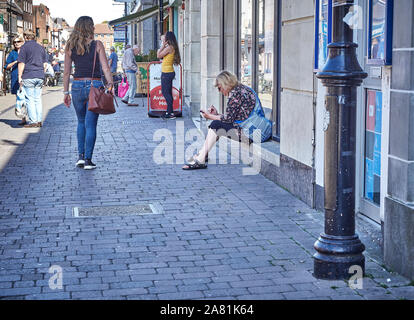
240	103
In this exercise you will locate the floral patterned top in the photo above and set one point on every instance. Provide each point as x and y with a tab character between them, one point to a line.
240	104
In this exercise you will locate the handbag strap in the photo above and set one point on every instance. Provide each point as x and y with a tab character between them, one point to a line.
94	62
257	105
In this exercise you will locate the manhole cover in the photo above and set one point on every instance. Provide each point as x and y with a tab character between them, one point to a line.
106	211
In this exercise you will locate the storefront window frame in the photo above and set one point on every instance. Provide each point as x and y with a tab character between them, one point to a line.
374	128
253	42
389	9
257	54
255	58
318	3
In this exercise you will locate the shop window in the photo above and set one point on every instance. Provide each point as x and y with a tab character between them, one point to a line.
246	43
373	145
380	32
323	33
266	54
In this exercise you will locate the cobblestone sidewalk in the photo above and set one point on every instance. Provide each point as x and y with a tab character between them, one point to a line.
218	234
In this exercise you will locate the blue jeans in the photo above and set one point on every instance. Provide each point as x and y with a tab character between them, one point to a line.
87	120
132	89
33	91
166	89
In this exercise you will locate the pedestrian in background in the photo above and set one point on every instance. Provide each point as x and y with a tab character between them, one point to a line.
32	65
113	60
80	48
61	56
113	64
170	54
130	68
11	65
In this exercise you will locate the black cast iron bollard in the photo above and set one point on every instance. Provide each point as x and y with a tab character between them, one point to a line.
339	248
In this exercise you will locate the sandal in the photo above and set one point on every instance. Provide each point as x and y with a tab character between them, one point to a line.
195	165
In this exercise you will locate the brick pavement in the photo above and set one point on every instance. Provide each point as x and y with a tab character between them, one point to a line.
221	235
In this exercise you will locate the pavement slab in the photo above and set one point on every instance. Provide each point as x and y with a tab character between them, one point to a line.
219	234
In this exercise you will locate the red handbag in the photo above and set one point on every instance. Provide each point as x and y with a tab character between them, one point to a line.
101	101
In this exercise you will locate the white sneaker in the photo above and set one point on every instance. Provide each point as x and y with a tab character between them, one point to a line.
89	165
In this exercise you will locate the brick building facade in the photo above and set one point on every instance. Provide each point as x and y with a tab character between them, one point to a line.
26	22
42	24
105	34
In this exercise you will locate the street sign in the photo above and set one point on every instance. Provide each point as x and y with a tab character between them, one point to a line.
119	34
1	19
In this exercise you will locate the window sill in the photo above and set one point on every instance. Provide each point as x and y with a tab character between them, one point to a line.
269	151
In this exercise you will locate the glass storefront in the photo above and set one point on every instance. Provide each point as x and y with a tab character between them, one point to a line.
246	36
324	36
258	38
266	57
378	30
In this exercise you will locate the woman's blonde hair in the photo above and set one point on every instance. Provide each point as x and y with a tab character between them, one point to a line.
82	33
19	37
226	79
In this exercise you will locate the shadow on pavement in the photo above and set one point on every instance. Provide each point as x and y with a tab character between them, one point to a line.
12	123
9	142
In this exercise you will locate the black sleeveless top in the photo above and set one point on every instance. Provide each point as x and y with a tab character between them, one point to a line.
84	64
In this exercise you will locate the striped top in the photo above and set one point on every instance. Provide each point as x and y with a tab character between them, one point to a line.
167	63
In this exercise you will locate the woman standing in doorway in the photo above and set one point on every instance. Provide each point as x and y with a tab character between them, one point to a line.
170	54
80	49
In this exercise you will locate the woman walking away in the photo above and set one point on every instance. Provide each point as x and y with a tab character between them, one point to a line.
170	54
241	102
80	49
11	64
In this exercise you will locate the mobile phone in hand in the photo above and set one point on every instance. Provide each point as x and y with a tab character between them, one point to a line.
202	111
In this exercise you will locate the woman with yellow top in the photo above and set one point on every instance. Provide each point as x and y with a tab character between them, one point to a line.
170	54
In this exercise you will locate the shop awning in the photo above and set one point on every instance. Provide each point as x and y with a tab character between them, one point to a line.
138	16
11	5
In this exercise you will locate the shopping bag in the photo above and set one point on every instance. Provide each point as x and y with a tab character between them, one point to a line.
256	121
123	88
20	110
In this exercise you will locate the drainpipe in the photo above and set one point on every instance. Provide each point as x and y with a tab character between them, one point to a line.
161	13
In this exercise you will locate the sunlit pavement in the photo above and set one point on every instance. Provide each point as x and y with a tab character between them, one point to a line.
216	234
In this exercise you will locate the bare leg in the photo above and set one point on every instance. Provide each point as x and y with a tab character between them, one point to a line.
211	139
208	145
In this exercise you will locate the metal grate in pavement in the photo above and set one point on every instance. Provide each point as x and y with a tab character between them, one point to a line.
116	211
131	122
